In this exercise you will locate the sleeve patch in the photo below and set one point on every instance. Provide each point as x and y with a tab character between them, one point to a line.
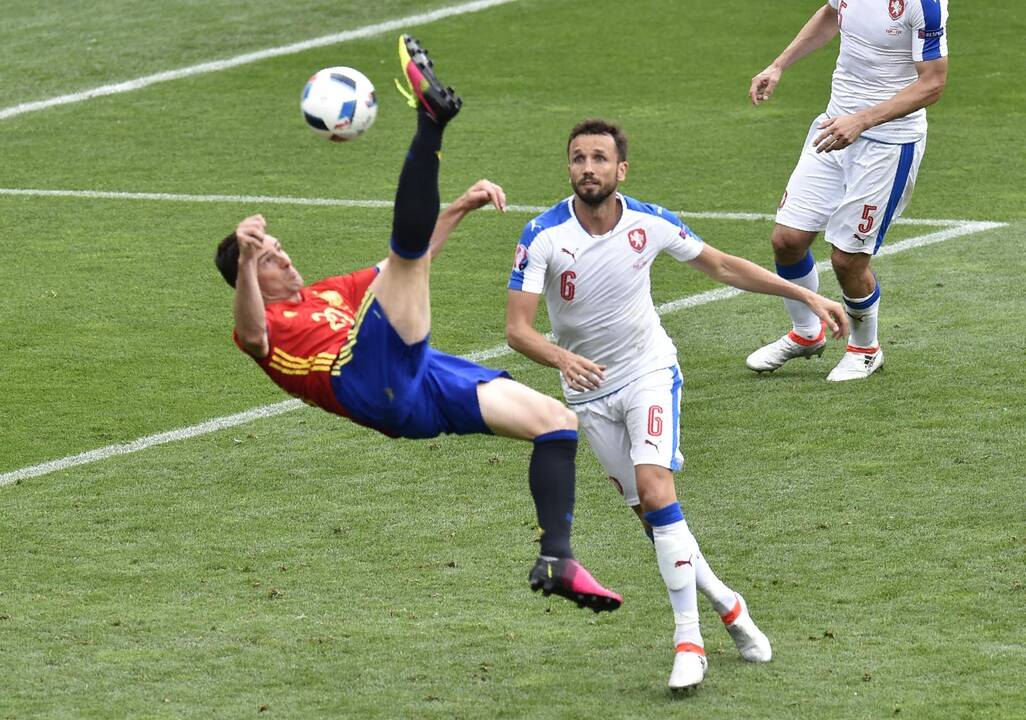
520	258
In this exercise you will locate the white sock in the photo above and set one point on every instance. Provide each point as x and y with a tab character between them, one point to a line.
676	553
686	628
863	313
803	273
721	596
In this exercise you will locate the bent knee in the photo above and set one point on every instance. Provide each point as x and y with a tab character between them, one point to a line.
549	415
656	493
849	265
554	415
789	244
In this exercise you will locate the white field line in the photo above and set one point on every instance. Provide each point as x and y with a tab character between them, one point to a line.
346	202
218	65
960	229
151	440
183	197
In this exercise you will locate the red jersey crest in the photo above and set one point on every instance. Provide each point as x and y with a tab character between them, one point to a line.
896	8
637	239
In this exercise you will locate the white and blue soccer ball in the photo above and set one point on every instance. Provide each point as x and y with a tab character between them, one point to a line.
339	104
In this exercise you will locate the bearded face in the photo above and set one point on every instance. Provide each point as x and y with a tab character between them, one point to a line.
595	168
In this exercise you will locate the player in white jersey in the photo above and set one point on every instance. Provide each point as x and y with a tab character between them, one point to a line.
859	163
591	255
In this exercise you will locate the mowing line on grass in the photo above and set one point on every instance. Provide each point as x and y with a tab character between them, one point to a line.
962	228
217	65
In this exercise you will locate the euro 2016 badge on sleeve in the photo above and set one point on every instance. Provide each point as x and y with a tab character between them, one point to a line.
520	258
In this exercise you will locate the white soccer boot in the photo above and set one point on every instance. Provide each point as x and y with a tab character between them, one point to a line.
769	357
689	666
857	363
751	642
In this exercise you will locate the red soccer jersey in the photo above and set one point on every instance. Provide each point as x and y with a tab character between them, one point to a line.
306	337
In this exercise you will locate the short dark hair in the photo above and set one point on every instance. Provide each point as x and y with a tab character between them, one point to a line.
227	258
596	126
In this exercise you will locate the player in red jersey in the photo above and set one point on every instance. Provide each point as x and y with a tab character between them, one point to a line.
357	345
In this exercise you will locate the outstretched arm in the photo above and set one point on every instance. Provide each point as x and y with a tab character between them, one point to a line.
746	275
481	193
580	373
817	32
250	325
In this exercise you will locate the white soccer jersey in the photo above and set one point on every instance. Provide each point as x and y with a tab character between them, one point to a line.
598	289
881	40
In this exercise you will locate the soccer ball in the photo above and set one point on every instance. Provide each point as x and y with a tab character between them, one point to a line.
338	103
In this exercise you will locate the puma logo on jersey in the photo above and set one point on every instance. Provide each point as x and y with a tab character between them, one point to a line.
573	255
649	442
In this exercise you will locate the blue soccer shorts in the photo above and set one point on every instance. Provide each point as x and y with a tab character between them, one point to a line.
411	391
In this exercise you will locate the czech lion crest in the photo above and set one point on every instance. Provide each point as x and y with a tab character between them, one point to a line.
637	239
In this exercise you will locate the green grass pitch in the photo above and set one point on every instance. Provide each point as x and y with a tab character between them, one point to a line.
301	567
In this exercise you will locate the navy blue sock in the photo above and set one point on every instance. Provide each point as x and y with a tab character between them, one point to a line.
552	476
416	197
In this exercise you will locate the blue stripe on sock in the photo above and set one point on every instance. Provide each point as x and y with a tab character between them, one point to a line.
797	270
406	253
556	435
665	516
908	151
865	303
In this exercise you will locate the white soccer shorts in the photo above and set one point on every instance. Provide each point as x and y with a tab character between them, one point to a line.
639	424
853	194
